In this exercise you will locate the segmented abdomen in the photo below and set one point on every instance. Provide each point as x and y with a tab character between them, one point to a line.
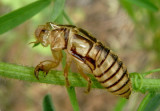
103	63
111	72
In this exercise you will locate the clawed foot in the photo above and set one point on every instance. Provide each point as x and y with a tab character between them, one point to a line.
40	67
87	90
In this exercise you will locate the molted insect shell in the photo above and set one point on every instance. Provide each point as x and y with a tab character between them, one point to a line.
89	55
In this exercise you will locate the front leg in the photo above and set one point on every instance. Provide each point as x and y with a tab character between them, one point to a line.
47	65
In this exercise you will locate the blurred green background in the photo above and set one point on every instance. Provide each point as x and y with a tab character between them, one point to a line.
131	29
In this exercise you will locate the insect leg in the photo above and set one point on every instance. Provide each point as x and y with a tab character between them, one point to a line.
47	65
66	69
80	70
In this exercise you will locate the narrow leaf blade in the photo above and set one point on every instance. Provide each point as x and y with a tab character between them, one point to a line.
47	103
20	15
153	104
57	9
145	101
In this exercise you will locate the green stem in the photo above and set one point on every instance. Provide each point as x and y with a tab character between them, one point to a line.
150	84
54	77
67	18
73	98
47	103
150	72
71	89
139	83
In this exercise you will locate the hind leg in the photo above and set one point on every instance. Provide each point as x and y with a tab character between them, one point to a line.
80	70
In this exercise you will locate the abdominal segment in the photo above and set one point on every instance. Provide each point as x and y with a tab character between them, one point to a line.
104	64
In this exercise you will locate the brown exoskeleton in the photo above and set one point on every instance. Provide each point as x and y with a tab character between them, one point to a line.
89	54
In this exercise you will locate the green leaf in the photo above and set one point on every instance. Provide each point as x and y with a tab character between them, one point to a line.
20	15
142	84
73	98
59	20
145	4
153	103
47	103
57	9
145	102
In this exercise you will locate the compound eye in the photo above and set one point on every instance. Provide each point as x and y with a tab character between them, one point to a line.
43	31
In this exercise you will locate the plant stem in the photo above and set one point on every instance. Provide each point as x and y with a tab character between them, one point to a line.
73	98
47	103
145	84
71	89
150	84
67	18
54	77
151	71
